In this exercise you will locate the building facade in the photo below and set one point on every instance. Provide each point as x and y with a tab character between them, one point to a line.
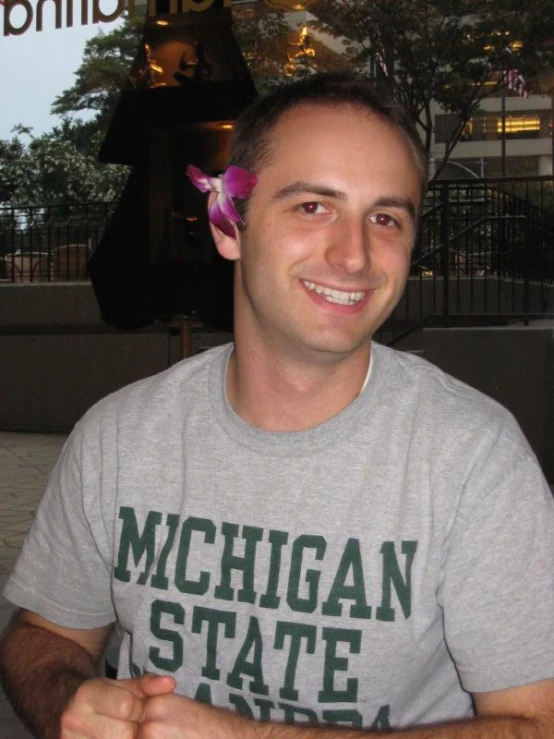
529	143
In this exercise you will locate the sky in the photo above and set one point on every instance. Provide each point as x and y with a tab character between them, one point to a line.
38	66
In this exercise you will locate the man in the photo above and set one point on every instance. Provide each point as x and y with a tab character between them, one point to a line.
306	534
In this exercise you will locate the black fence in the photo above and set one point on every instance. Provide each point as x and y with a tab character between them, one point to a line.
489	227
50	243
485	251
485	248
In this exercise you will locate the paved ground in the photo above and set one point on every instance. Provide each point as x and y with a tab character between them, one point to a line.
25	463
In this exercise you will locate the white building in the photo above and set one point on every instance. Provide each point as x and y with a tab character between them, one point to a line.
529	141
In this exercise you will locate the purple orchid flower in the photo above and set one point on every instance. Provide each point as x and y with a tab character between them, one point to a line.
234	183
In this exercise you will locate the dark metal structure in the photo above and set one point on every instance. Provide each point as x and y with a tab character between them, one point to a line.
484	256
50	243
187	85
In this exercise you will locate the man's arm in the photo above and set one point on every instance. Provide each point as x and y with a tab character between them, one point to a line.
49	674
519	713
42	665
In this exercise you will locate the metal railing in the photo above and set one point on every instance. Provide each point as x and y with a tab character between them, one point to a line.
478	219
485	248
485	251
50	243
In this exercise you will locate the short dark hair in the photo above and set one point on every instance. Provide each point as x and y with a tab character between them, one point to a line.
250	139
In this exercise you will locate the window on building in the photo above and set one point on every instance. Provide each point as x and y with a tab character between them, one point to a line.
520	126
531	124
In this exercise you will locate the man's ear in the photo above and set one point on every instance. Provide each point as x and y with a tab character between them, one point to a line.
227	246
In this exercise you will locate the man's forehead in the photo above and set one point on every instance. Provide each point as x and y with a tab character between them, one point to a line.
303	125
310	114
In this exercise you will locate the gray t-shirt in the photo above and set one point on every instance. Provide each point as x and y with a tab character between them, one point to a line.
366	572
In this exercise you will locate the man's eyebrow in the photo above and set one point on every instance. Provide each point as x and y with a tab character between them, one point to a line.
395	202
309	187
316	189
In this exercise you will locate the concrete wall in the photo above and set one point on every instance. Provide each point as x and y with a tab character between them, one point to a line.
50	380
57	358
424	297
514	365
43	303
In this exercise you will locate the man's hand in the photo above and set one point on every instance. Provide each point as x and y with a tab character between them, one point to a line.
177	717
147	708
111	709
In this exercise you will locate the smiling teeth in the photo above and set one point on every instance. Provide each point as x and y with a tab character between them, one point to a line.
335	296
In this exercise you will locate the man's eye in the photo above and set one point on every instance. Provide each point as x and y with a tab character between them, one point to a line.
313	208
384	219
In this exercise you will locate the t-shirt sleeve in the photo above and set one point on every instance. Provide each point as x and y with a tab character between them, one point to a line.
497	588
63	570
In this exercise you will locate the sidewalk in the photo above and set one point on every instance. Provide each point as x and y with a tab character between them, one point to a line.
25	463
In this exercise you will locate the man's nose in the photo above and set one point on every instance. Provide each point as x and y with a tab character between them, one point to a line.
348	249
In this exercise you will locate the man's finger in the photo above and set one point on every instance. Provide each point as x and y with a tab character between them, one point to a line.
121	700
81	727
152	685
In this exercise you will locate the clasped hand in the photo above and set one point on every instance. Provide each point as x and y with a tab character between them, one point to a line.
142	708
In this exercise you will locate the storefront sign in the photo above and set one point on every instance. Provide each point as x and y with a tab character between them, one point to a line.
19	15
289	5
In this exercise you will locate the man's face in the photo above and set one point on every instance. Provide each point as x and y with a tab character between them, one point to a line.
331	224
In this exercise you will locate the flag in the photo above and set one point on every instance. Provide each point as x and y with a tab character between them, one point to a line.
382	63
516	82
379	56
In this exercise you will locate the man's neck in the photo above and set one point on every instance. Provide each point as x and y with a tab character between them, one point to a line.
275	394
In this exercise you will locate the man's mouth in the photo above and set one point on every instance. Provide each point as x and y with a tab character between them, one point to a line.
335	296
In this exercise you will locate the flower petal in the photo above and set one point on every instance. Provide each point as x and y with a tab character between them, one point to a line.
201	181
218	214
238	182
235	182
228	207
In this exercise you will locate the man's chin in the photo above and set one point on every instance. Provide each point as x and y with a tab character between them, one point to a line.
333	349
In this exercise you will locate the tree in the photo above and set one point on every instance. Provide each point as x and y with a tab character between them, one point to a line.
268	42
103	73
262	36
448	52
59	166
451	52
11	153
